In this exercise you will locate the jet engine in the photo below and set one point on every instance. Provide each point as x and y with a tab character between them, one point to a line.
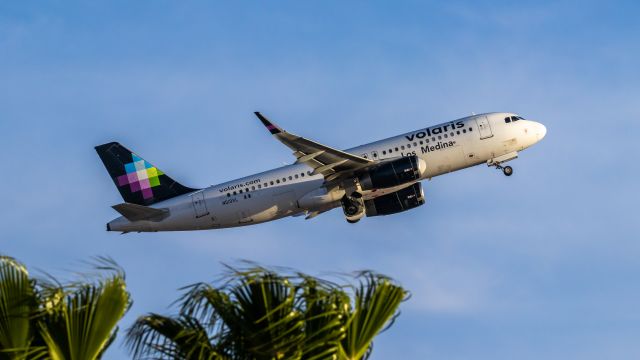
399	201
393	173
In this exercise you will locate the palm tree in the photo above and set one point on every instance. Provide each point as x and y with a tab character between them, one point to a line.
18	303
258	313
46	319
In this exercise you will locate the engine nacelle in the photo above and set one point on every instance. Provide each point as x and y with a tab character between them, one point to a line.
393	173
399	201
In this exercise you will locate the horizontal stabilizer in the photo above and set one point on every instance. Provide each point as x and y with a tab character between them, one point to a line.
134	212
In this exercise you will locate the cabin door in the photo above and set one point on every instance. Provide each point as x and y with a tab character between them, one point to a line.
484	127
199	205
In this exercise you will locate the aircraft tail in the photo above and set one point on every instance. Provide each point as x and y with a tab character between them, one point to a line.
138	181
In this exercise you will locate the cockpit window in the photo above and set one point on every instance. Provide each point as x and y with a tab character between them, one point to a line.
514	118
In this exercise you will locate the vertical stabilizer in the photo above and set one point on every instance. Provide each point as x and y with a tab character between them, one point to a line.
138	181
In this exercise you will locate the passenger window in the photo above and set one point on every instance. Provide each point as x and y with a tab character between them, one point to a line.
408	146
290	178
375	154
458	132
427	141
470	129
422	142
390	151
445	136
433	139
284	179
415	144
277	181
302	174
451	134
439	137
402	147
259	186
297	176
396	149
464	131
271	182
228	195
240	191
384	152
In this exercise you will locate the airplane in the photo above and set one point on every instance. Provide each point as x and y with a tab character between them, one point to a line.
375	179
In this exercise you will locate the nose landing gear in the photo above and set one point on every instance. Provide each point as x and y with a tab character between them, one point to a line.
506	170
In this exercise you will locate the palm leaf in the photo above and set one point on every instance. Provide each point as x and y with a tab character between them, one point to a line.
256	312
78	321
167	338
376	303
323	318
18	304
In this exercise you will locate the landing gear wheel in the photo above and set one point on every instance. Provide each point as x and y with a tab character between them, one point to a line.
507	170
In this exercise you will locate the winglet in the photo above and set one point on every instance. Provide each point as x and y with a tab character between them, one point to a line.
273	128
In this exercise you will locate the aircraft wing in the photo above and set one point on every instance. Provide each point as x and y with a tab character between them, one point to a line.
329	162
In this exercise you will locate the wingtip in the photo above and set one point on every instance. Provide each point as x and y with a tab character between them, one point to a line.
268	124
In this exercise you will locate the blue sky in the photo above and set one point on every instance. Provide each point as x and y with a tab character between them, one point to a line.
540	265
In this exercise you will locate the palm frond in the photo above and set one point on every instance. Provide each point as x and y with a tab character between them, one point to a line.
377	300
323	318
78	321
163	337
18	304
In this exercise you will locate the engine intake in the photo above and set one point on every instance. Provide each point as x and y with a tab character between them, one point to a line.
399	201
393	173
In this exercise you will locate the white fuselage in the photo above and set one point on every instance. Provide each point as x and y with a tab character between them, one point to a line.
291	190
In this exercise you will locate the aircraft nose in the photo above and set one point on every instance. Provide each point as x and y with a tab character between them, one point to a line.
541	131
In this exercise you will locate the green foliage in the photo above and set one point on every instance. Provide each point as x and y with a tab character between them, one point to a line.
18	304
376	302
44	319
260	314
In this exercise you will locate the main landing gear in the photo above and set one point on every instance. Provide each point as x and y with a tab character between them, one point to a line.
506	170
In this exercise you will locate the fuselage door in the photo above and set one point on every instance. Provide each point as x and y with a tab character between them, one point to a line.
199	205
484	127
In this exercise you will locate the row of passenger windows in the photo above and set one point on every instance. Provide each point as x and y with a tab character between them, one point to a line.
267	184
375	155
509	119
422	142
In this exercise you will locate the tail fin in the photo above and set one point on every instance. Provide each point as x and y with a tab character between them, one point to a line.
138	181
